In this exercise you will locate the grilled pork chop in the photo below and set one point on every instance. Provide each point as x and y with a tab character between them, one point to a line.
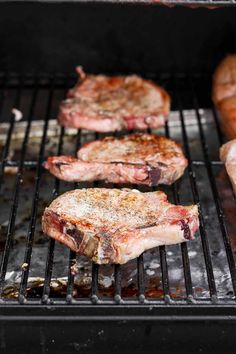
224	94
104	104
115	226
228	156
139	159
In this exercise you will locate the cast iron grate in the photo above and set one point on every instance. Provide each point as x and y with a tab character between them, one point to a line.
187	92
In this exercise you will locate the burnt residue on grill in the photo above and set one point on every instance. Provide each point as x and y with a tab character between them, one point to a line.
58	290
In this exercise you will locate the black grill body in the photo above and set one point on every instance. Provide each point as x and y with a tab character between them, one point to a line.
177	47
111	37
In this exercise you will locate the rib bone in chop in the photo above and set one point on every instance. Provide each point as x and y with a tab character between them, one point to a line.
103	104
115	226
228	156
139	159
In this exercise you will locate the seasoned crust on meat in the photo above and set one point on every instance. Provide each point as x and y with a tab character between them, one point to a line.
142	159
135	148
104	104
114	226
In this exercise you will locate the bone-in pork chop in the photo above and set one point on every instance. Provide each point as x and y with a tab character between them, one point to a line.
115	226
112	103
139	159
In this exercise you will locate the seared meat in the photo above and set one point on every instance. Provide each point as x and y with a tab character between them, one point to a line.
114	226
228	156
103	104
139	159
224	94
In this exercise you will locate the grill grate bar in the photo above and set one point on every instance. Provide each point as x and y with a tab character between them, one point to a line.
219	209
50	255
71	277
72	256
140	274
35	200
19	178
184	247
187	271
184	251
94	289
162	252
117	276
164	271
48	272
12	217
10	129
204	240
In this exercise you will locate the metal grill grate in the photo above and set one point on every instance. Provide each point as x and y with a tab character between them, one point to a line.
38	97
